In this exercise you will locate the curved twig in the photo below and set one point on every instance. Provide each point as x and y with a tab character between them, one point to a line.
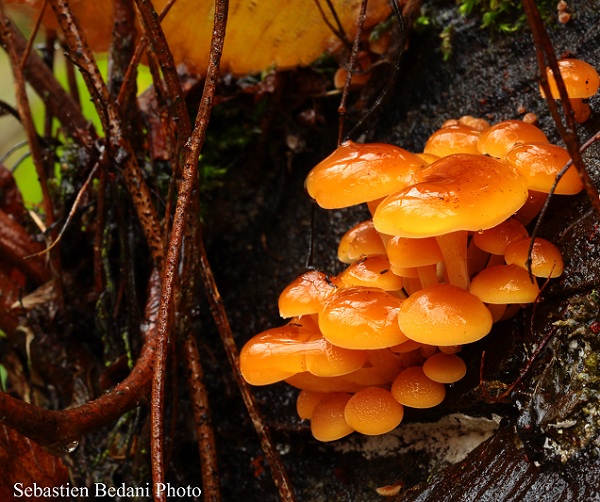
58	430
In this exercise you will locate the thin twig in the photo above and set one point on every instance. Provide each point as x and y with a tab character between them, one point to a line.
71	214
187	186
337	31
202	418
120	149
351	65
26	116
547	58
393	75
55	98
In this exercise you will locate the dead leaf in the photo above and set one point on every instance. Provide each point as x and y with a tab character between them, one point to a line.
25	462
279	34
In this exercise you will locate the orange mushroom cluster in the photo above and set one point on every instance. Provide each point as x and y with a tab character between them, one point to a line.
445	255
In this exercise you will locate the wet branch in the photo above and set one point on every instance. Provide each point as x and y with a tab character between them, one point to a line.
186	188
547	59
57	430
120	149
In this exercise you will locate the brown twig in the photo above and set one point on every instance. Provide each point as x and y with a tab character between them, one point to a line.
187	186
72	211
55	98
202	418
351	66
15	243
57	430
547	59
159	45
26	115
120	149
218	311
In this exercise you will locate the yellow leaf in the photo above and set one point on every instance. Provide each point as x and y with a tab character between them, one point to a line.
261	34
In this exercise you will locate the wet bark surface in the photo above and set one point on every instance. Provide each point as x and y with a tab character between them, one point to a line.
546	447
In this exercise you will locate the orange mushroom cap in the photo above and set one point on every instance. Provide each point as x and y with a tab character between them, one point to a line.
452	139
356	173
414	389
500	138
445	368
328	422
458	192
352	382
306	402
273	355
443	314
540	163
580	78
360	241
504	284
327	360
404	252
495	240
306	294
373	271
546	258
373	411
474	122
361	318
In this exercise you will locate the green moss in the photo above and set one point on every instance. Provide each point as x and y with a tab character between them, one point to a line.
503	16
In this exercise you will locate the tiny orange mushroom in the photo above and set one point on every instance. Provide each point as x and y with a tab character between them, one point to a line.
414	389
373	411
581	81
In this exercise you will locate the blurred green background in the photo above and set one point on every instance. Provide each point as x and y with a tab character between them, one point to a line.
12	135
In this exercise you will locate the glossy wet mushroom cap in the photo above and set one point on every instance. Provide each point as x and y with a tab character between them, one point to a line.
306	294
373	271
445	368
581	81
546	258
458	192
443	314
455	194
504	284
414	389
495	240
328	422
360	241
500	138
326	360
355	173
273	355
306	402
540	163
580	78
452	139
361	318
373	411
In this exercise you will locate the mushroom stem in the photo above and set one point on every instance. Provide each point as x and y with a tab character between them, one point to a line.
454	250
581	110
427	275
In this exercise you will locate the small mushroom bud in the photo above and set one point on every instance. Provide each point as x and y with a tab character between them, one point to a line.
373	411
445	368
328	422
414	389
